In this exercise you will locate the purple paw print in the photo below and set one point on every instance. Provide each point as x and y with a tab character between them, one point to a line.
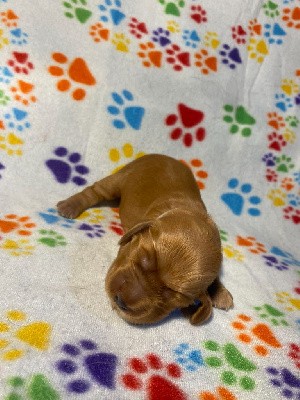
161	36
286	381
269	159
1	168
297	100
272	261
93	230
230	56
85	366
66	167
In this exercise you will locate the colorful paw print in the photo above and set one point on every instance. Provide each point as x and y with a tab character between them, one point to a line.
92	230
99	32
111	11
288	302
291	17
51	217
271	9
172	7
283	102
278	197
11	144
232	253
239	34
37	385
161	37
190	359
206	62
18	37
17	119
230	56
198	14
23	93
177	58
151	57
17	248
191	38
66	167
200	175
274	262
239	119
51	238
124	114
77	9
237	199
12	223
137	28
271	314
274	33
251	244
123	156
285	381
20	63
257	49
121	42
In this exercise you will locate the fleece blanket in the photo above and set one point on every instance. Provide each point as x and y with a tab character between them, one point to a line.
87	86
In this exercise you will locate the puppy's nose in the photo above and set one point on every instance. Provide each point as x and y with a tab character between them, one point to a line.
120	303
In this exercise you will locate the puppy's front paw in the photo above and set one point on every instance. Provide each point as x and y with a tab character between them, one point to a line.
222	299
69	208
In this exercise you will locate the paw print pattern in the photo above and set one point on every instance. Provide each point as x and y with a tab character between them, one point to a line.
124	113
196	166
276	141
147	374
292	214
271	9
17	248
287	257
121	42
274	33
198	14
237	201
126	154
205	62
239	119
77	72
22	92
288	184
99	32
151	57
12	223
172	7
271	314
11	144
291	17
293	199
222	393
274	262
17	119
137	28
230	56
66	167
51	238
289	87
177	58
258	332
77	9
283	102
257	49
284	164
18	37
269	159
173	26
275	120
251	244
278	197
211	39
36	384
83	360
239	34
284	380
190	359
232	253
9	18
92	230
287	301
161	36
20	63
191	38
236	369
6	75
111	12
294	354
292	121
186	124
255	28
271	175
52	217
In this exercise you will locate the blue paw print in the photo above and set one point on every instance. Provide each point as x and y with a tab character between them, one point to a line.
66	167
283	102
191	38
230	56
297	177
52	217
161	36
17	119
92	230
132	115
293	199
5	75
18	37
189	359
110	10
288	1
274	33
288	258
269	159
2	167
237	201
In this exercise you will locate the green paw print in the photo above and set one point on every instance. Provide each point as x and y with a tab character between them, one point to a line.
271	314
36	388
239	120
51	238
292	120
4	99
75	9
229	356
173	7
271	9
223	235
284	164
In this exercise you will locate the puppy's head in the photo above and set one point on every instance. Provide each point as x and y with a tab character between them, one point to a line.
161	267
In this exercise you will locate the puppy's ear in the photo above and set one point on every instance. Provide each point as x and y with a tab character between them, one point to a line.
133	231
198	314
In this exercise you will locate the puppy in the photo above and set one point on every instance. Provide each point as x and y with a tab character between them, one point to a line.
170	255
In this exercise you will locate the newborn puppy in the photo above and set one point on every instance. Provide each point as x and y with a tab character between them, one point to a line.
170	255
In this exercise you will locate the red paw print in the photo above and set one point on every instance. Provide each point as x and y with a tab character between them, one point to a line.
137	28
178	58
297	289
276	141
239	34
20	63
116	227
154	377
198	14
292	214
271	175
294	353
186	125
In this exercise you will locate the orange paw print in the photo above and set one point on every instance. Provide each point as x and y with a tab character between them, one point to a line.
250	333
287	184
77	72
254	27
251	243
13	223
205	62
99	33
150	56
196	166
9	18
291	16
22	92
275	120
221	394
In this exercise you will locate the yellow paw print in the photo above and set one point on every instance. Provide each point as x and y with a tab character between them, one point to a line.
289	87
173	26
3	40
290	303
289	136
121	42
12	144
93	216
257	49
278	197
21	247
211	39
17	336
230	252
127	152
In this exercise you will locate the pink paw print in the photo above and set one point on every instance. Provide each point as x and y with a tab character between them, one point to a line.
177	57
198	14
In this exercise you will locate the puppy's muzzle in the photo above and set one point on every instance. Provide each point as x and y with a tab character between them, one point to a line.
120	303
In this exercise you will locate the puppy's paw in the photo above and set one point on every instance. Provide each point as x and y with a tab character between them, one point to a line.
222	299
69	208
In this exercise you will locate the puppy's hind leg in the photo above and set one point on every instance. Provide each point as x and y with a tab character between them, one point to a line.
220	296
106	189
